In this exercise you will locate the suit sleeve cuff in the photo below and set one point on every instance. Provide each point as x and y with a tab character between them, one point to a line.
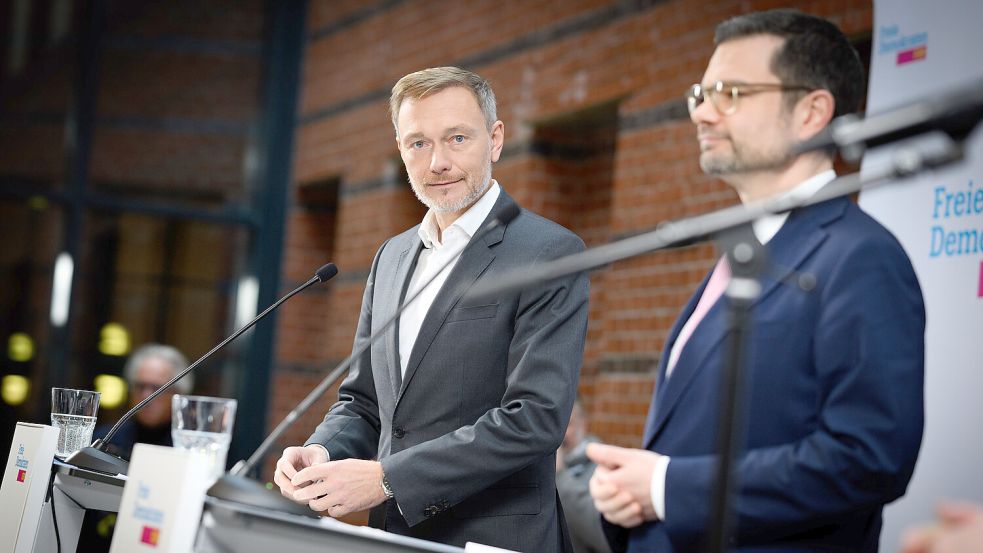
326	453
658	486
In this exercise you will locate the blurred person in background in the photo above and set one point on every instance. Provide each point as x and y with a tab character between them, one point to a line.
149	367
573	472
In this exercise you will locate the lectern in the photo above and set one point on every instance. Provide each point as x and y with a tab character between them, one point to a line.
229	526
75	491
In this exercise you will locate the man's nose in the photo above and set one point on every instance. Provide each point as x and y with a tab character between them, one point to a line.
705	113
439	160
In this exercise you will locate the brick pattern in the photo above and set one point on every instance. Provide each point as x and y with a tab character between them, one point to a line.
638	59
595	139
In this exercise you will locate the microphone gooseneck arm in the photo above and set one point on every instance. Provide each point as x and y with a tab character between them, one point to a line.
322	275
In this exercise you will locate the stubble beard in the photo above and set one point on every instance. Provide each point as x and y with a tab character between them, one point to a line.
477	185
742	161
746	157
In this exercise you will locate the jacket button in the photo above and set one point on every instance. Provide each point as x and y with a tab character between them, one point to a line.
398	432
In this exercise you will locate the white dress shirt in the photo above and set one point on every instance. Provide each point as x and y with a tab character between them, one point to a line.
765	229
441	253
436	252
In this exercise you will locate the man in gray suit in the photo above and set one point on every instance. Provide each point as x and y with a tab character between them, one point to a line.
464	402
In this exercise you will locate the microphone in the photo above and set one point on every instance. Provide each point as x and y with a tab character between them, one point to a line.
955	113
96	458
235	486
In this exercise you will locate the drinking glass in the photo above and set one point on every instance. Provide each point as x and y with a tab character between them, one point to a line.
73	413
204	425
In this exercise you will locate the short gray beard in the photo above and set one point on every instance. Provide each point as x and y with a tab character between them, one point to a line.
472	196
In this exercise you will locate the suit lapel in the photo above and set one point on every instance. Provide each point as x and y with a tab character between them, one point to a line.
401	278
660	376
799	237
704	340
475	258
802	233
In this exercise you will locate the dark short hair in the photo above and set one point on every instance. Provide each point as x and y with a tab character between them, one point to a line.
816	54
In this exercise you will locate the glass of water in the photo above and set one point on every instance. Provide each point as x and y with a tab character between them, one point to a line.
73	413
204	425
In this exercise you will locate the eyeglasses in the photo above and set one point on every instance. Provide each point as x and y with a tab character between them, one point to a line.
724	95
146	387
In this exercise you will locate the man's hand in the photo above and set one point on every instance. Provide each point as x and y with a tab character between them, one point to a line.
959	530
293	460
622	484
340	487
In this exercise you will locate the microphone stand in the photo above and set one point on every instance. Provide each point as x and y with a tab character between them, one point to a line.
747	259
237	487
94	457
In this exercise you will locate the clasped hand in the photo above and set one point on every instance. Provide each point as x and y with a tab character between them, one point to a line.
337	488
621	484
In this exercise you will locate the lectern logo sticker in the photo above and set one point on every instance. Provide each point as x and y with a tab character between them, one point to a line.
21	462
150	535
151	517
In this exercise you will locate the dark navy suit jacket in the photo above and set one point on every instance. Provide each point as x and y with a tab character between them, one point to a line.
833	410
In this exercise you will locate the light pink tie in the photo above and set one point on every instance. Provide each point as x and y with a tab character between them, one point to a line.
715	288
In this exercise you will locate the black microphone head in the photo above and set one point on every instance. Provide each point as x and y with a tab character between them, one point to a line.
326	272
510	212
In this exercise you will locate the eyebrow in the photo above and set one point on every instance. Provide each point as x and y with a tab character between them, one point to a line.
459	129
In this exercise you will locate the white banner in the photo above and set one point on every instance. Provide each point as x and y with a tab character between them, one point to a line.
921	49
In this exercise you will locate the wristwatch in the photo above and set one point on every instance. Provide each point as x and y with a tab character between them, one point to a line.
385	487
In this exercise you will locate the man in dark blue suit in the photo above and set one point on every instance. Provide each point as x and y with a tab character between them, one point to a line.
834	376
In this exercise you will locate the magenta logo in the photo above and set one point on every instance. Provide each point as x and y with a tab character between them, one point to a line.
914	54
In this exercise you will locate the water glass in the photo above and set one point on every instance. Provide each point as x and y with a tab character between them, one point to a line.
204	425
73	413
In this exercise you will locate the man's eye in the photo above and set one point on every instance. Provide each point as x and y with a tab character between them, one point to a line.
418	144
458	138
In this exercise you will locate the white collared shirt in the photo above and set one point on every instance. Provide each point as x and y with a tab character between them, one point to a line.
441	251
765	228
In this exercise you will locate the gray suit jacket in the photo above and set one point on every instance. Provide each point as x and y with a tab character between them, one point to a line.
467	438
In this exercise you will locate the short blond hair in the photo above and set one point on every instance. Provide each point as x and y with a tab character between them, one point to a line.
430	81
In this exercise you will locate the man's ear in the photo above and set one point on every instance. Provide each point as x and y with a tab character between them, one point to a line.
813	112
497	140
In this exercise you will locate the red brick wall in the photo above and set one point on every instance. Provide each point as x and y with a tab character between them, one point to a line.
547	61
554	65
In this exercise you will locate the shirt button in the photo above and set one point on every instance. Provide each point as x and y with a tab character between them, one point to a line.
398	432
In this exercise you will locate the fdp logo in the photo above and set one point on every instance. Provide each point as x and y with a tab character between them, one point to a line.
21	463
904	47
150	535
